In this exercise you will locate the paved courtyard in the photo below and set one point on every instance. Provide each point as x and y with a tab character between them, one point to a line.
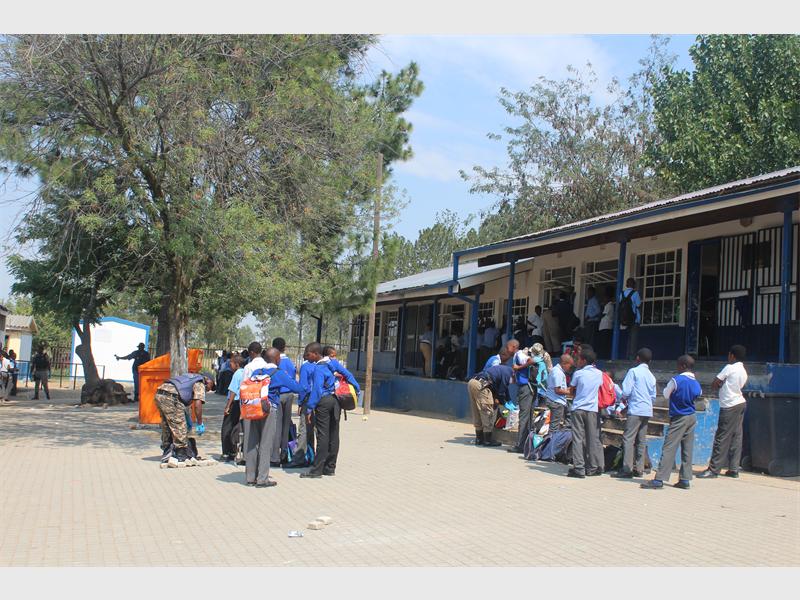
81	486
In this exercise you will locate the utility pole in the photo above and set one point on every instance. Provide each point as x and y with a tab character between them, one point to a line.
376	230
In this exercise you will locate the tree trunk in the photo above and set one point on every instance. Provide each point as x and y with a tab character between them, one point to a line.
164	329
84	352
178	355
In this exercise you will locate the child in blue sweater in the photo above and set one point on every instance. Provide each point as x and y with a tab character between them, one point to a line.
681	391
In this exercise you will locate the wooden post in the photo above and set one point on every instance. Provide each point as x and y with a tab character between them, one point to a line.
376	230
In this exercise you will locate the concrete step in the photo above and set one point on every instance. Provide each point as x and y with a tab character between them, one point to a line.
613	425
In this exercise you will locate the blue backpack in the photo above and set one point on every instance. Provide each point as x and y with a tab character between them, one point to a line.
555	447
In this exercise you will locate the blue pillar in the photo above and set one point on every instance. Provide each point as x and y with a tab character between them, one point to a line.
623	247
360	338
786	278
511	273
434	327
401	342
473	336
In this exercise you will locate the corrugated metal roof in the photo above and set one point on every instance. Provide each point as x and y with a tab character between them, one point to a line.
436	277
707	192
20	322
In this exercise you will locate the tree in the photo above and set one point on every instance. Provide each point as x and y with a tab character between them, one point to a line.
570	157
237	162
736	115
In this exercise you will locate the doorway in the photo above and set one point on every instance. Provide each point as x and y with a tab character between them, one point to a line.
702	295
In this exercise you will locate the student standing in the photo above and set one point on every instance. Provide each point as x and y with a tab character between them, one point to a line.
591	316
327	413
280	449
305	430
525	397
639	392
728	438
606	326
681	391
557	390
630	314
486	390
5	377
587	451
232	412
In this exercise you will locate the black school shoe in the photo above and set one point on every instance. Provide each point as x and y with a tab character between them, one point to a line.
682	485
269	483
514	449
595	473
653	484
707	474
310	475
577	474
733	474
622	475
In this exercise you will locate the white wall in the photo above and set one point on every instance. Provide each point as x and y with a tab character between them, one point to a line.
110	338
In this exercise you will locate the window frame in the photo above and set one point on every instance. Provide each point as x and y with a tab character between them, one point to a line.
653	280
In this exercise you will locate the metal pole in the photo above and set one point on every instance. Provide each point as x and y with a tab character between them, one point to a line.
510	309
623	246
786	278
434	327
376	231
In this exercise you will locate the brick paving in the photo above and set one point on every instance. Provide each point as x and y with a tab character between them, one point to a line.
79	486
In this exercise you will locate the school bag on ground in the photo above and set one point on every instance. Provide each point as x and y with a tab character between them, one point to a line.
254	395
627	316
606	395
557	447
531	445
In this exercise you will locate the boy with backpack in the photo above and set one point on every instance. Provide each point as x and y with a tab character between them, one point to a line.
585	384
728	438
681	391
326	410
281	444
639	392
629	314
305	430
232	412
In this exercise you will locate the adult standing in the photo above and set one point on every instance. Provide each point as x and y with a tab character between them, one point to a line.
525	397
535	323
630	315
550	332
606	326
426	348
591	316
587	451
41	372
639	392
563	312
5	377
139	356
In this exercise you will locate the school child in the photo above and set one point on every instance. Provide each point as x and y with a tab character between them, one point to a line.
329	357
280	447
681	391
728	439
305	430
326	410
639	392
232	413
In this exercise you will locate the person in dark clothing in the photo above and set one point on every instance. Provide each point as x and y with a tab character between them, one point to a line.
139	356
280	449
562	311
327	412
486	390
41	372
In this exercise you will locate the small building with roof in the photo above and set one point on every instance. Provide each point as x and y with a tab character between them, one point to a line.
20	330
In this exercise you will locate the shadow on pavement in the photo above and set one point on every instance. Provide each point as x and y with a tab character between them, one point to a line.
232	477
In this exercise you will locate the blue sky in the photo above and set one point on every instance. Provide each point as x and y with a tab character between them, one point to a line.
462	76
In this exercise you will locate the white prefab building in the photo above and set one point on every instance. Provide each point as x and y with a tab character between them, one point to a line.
20	330
109	337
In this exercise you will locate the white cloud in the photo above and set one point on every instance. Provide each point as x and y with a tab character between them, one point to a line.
494	61
443	161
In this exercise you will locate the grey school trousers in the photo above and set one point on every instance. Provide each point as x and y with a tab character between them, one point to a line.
525	401
587	451
728	439
634	443
258	439
283	424
681	431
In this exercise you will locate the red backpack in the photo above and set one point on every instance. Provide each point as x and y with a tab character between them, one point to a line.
606	395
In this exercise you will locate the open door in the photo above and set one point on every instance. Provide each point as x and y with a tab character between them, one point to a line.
702	288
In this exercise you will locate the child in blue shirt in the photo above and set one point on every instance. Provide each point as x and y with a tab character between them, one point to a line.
230	422
681	391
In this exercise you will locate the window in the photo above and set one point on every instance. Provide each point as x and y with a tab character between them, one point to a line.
486	310
376	339
659	279
452	319
358	333
757	255
556	280
389	336
520	308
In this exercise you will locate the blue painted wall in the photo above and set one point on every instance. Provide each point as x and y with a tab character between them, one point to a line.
703	438
440	396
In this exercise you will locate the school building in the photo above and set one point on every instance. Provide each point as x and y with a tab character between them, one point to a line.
714	267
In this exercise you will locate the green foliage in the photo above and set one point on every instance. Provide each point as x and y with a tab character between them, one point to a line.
234	167
736	115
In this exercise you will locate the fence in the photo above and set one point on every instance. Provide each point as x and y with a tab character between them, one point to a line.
59	371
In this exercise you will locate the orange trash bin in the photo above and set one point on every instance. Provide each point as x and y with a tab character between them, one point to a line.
151	375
